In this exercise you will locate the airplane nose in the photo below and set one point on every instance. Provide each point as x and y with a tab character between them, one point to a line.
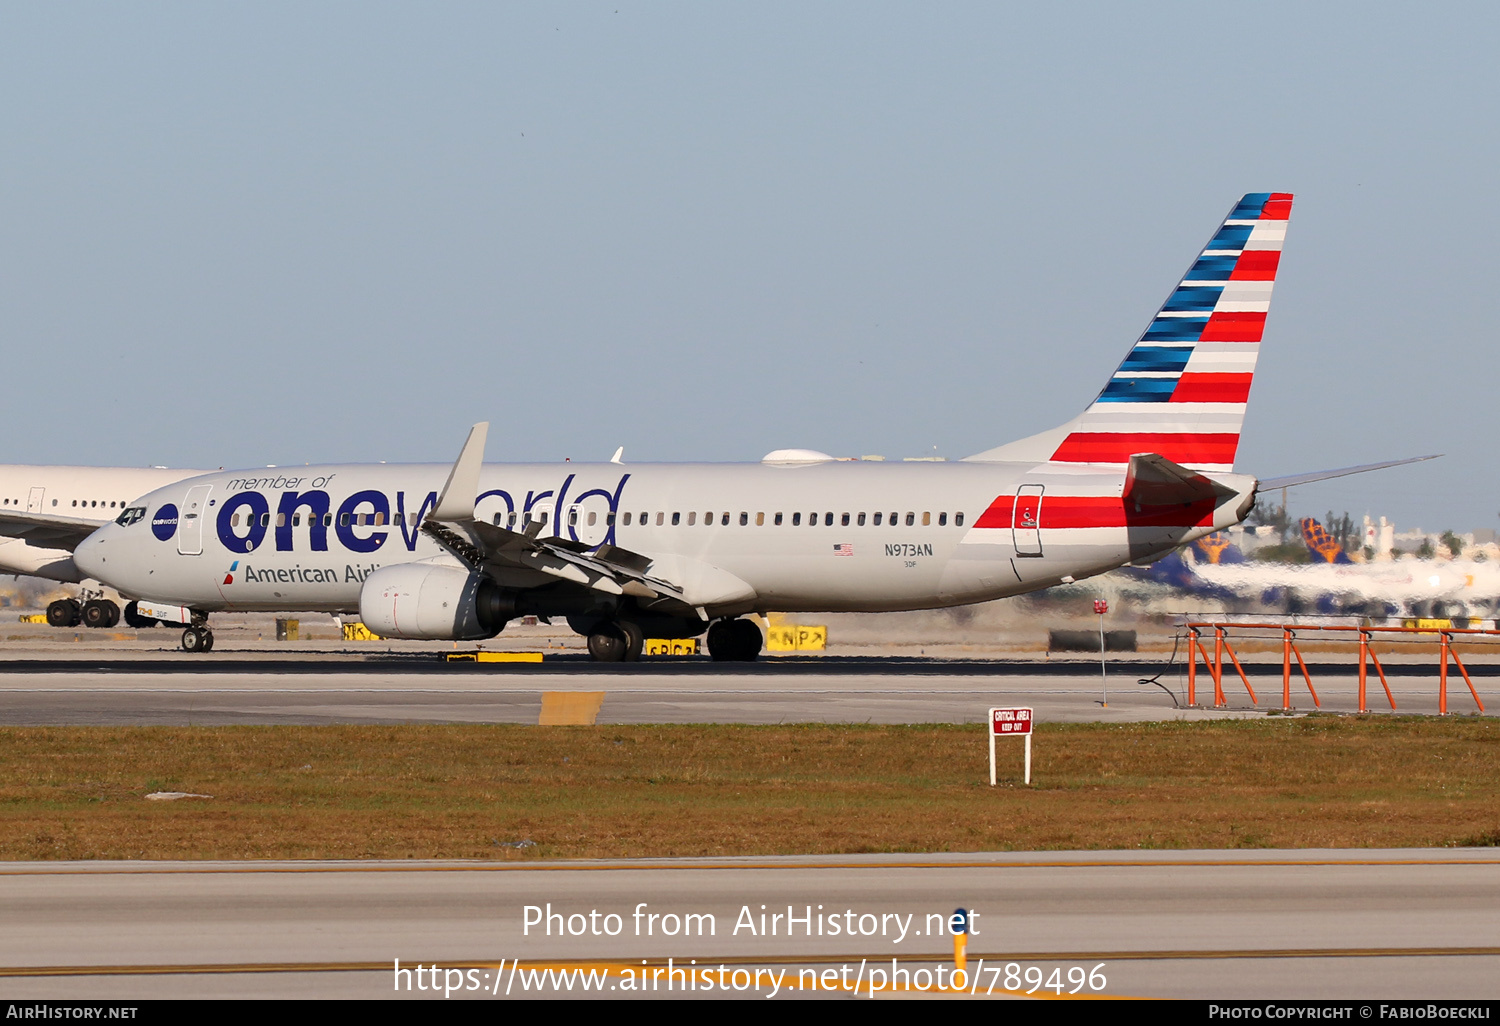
89	556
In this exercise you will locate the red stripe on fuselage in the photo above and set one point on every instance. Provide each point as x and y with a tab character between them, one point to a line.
1212	388
1060	512
1106	447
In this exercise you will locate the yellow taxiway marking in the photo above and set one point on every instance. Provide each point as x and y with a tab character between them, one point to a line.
570	708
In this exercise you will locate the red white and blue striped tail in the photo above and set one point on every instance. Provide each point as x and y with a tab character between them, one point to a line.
1181	391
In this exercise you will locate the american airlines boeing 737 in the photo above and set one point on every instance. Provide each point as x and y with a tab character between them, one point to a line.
629	551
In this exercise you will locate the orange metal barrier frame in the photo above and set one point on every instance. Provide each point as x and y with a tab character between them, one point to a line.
1215	666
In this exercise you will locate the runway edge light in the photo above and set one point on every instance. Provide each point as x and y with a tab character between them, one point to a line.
959	924
1010	723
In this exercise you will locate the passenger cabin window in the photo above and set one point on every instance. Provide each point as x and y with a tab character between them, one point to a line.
911	519
744	518
877	519
927	519
658	519
593	518
796	519
627	519
676	518
860	520
778	520
844	521
760	520
942	520
692	519
958	520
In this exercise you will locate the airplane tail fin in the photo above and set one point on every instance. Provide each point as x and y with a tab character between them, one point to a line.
1320	544
1181	391
1217	548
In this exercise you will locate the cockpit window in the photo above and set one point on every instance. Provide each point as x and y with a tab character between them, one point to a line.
131	515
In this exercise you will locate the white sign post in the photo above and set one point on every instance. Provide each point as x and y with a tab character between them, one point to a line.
1010	723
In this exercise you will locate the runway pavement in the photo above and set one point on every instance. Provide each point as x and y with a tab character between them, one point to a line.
110	689
1267	924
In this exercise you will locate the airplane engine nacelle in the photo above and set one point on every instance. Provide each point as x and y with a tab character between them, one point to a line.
433	602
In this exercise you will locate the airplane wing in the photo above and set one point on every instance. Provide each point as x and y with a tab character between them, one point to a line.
46	530
1271	483
608	568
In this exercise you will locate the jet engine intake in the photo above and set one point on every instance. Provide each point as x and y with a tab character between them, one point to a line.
433	602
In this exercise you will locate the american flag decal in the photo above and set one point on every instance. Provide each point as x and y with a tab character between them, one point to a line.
843	550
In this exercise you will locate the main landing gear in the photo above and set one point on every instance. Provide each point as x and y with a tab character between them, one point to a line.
197	639
93	613
735	641
615	641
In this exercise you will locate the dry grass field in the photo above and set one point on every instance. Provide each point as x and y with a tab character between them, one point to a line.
577	792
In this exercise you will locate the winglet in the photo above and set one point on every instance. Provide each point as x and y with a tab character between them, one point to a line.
457	500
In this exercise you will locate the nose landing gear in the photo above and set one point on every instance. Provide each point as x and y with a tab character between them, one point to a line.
197	639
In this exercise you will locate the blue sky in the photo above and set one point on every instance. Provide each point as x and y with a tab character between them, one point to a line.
239	234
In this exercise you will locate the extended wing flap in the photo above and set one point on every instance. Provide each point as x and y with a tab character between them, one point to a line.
611	569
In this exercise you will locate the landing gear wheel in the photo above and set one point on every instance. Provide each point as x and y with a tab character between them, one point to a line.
749	639
100	613
608	643
62	613
736	641
635	640
197	639
133	618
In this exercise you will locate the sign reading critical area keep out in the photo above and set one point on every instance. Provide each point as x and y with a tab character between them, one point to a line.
1010	723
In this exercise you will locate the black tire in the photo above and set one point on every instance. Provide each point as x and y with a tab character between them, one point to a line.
721	641
112	613
62	613
749	640
193	640
608	644
208	640
96	613
635	640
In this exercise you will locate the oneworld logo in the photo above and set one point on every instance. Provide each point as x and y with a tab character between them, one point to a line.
164	524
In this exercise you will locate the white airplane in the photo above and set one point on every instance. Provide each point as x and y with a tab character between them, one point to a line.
626	552
46	510
1333	583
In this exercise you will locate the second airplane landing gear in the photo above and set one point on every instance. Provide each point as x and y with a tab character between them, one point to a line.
63	613
734	641
100	613
197	639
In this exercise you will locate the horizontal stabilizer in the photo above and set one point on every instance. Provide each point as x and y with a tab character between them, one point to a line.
1154	480
1327	475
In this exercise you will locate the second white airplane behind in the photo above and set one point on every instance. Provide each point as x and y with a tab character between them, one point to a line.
625	552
